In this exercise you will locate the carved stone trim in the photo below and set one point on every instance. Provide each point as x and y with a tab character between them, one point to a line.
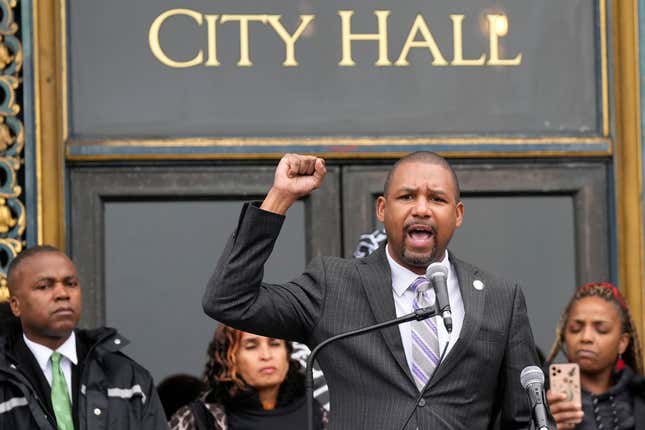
12	142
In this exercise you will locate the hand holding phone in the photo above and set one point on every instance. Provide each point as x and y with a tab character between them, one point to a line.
565	378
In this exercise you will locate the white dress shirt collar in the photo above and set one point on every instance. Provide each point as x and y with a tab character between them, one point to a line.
403	298
43	356
43	353
402	277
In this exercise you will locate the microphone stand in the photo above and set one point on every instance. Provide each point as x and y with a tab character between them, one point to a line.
419	315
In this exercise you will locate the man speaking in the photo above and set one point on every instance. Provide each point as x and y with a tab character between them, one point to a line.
470	375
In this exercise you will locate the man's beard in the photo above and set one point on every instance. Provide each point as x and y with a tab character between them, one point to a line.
417	260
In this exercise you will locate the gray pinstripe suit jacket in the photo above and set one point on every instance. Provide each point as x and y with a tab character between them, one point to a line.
368	377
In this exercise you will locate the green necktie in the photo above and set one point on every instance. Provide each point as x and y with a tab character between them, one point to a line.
60	396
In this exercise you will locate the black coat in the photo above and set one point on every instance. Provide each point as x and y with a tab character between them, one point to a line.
637	387
109	390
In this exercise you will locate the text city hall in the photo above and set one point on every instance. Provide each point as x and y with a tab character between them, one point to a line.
419	36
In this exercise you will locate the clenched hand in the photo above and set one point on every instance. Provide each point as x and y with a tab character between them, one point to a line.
295	177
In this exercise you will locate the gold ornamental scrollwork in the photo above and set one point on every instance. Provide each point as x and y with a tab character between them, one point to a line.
12	142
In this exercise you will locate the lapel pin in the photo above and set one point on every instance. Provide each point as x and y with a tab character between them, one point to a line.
478	285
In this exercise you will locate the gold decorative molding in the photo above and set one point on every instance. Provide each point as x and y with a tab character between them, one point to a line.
12	142
628	156
342	141
604	68
335	147
50	106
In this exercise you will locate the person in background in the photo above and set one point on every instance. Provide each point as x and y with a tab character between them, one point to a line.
251	384
55	376
597	332
179	390
370	242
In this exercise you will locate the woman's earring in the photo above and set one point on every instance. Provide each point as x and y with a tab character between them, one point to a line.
620	363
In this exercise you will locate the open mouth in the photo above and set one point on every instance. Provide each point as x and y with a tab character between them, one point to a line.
420	235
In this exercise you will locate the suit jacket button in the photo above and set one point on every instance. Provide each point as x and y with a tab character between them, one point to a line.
422	403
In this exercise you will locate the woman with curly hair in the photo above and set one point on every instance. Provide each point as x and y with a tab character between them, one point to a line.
597	332
251	384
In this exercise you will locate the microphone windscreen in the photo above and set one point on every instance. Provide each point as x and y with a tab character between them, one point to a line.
531	375
436	269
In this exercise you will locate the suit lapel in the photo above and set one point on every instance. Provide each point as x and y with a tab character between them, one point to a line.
473	309
377	281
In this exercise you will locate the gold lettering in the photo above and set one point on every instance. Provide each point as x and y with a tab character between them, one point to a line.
245	60
289	40
498	27
211	23
458	54
347	37
419	36
155	46
428	42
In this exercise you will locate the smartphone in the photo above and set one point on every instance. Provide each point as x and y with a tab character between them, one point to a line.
565	378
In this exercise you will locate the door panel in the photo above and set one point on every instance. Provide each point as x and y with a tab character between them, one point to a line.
145	241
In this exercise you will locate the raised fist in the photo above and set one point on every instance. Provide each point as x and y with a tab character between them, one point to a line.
295	177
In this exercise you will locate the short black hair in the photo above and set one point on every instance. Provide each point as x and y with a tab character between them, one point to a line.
25	255
424	157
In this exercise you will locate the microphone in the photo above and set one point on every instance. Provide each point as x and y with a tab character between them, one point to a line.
437	274
532	380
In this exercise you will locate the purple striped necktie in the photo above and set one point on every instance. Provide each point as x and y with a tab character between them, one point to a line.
425	339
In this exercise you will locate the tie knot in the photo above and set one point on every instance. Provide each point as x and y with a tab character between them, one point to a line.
420	285
56	358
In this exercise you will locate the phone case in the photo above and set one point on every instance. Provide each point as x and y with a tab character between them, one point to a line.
565	378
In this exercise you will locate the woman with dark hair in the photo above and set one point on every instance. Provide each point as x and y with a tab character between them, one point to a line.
251	384
597	332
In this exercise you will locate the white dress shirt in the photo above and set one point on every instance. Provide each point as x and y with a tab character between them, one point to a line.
68	357
402	278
